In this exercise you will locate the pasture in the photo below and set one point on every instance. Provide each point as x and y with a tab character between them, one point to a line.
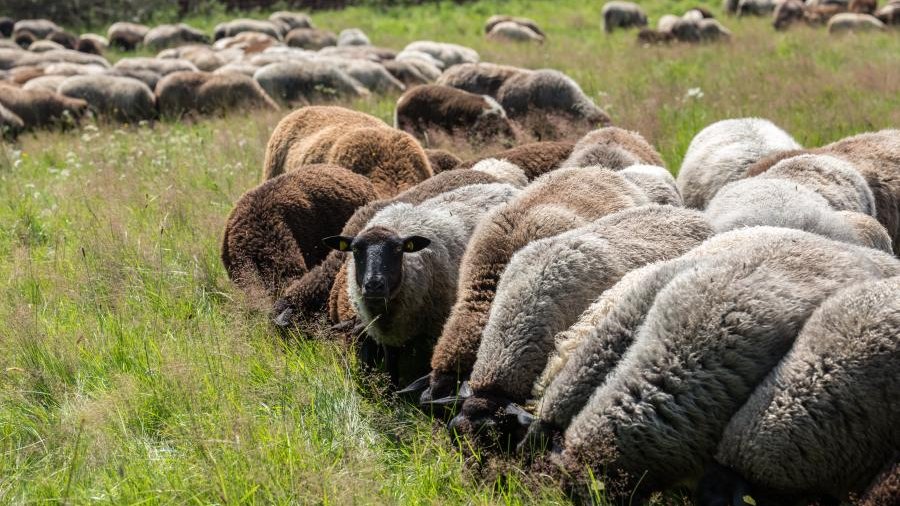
132	371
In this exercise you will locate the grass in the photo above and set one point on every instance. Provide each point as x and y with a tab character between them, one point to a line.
133	372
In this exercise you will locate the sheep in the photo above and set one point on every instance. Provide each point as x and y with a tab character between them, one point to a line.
535	158
509	31
618	14
63	38
60	56
353	37
889	14
556	202
434	109
310	38
164	36
236	26
295	82
479	78
6	26
11	124
372	75
40	28
730	6
48	83
547	286
90	43
160	66
24	39
613	148
126	36
122	98
371	53
842	371
847	22
836	180
526	22
885	489
421	58
247	42
44	45
441	160
712	31
541	98
712	334
203	57
863	6
402	280
310	294
273	234
184	92
448	54
392	159
291	20
656	182
39	108
721	153
412	72
755	7
667	22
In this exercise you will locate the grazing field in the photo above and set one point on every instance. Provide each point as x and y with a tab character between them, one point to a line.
132	371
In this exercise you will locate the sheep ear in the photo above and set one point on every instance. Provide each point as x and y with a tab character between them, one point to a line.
416	387
338	242
415	243
523	417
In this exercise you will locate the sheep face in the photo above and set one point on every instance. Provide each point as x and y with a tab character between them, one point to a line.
378	258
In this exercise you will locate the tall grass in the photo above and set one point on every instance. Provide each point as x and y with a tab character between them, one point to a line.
132	371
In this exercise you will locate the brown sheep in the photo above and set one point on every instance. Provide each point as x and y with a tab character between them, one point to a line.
613	148
559	201
441	160
309	294
535	158
201	92
310	38
391	159
435	109
273	235
24	38
88	46
126	36
64	39
39	108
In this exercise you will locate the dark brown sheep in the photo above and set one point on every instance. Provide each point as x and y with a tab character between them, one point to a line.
205	93
310	294
432	109
6	26
441	160
310	38
273	235
126	36
39	108
613	148
652	37
63	38
534	158
24	38
89	46
391	159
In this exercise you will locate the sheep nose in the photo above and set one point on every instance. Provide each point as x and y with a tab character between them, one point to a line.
375	287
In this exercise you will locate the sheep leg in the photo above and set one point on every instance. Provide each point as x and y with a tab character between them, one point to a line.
392	364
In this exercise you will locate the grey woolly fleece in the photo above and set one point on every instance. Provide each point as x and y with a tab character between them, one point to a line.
428	286
825	419
712	334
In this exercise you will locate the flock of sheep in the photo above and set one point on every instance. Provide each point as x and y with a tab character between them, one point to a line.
736	328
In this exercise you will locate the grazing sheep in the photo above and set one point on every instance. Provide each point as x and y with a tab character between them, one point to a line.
241	25
479	78
353	37
291	20
847	22
448	54
526	22
273	234
889	14
618	14
613	148
370	53
126	36
402	280
730	6
711	336
295	82
412	72
535	158
11	125
40	108
160	66
185	92
372	75
310	38
835	179
509	31
434	109
842	371
44	45
24	39
310	294
203	57
721	153
547	286
147	77
755	7
247	42
165	36
441	160
650	37
246	69
712	31
48	83
63	38
122	98
392	159
60	56
91	44
863	6
6	26
657	183
559	201
791	11
40	28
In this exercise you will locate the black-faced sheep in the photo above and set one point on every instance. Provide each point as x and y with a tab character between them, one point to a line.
24	39
535	158
429	110
126	36
613	148
6	26
310	38
559	201
405	264
391	159
40	108
711	336
164	36
310	294
863	6
273	235
121	98
295	82
547	286
91	44
721	153
847	22
63	38
201	92
618	14
824	420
